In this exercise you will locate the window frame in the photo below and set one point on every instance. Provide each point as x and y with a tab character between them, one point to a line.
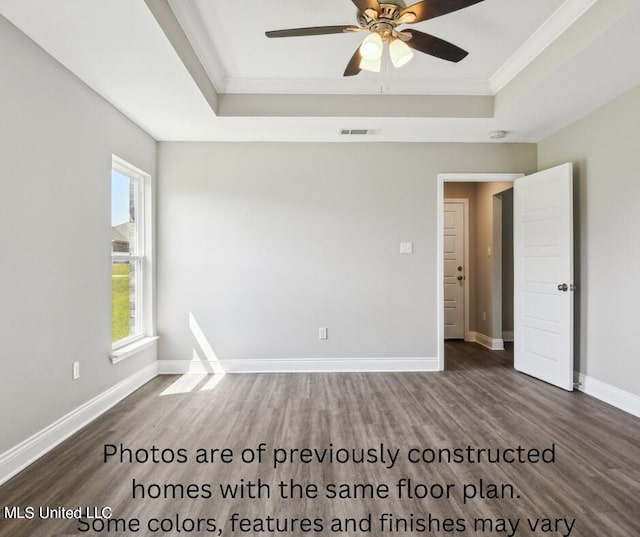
139	254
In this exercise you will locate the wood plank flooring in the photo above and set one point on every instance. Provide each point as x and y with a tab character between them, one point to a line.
480	401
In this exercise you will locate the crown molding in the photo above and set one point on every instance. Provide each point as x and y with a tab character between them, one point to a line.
566	15
190	19
360	86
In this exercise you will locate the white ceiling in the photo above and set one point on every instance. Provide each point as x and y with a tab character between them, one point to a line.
240	59
547	62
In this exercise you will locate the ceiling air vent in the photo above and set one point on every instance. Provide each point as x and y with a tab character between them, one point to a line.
359	132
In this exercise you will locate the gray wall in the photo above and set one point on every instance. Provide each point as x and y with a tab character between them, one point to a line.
605	149
56	141
488	293
507	260
265	243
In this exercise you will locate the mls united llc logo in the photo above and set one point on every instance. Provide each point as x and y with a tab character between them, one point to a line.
45	513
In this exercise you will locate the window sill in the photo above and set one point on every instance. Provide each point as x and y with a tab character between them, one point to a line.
133	348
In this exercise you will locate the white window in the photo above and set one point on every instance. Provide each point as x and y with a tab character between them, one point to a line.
129	256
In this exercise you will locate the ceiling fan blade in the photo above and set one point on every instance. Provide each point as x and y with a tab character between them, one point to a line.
434	46
363	5
353	67
315	30
430	9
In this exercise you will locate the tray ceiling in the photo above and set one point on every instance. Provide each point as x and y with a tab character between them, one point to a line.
203	70
229	38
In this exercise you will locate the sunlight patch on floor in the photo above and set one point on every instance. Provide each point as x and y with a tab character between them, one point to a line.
212	382
184	384
193	382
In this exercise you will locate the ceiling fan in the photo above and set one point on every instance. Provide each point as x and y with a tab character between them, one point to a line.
382	20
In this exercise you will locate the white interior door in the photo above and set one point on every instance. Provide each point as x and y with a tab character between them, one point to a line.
543	275
454	269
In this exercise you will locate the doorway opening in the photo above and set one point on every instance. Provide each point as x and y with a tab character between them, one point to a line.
475	219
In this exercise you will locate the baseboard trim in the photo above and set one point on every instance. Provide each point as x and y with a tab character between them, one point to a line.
298	365
188	367
28	451
616	397
494	344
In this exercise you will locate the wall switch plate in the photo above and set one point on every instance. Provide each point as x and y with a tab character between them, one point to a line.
406	247
484	315
322	333
76	370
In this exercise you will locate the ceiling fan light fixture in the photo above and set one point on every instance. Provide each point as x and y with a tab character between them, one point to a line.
371	48
400	53
371	65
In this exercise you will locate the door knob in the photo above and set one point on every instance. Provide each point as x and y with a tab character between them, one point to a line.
460	278
563	287
460	268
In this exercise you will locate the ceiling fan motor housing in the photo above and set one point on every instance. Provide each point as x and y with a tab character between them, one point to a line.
383	22
389	11
388	14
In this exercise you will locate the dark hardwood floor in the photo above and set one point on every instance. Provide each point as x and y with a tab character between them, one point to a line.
479	401
462	355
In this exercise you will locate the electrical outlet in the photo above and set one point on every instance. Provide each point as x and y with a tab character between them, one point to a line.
484	315
322	333
76	370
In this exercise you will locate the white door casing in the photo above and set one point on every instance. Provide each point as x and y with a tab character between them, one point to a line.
455	269
543	275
